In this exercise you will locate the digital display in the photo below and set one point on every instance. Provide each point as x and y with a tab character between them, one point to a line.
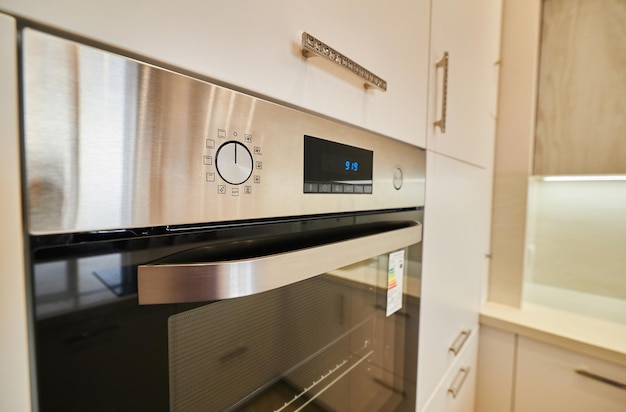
339	164
336	168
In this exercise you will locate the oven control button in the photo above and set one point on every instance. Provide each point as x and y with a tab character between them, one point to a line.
397	178
234	162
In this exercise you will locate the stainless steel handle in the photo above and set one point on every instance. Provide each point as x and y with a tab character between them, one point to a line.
459	342
458	382
599	378
312	46
443	63
205	281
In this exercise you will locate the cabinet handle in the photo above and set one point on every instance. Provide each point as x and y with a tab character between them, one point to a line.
458	382
312	46
443	63
608	381
459	342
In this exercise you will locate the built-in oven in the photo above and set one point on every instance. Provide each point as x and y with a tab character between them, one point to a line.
195	248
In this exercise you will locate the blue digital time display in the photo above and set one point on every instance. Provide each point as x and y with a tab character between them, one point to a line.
351	166
332	167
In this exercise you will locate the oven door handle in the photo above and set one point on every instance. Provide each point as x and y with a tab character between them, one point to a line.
160	283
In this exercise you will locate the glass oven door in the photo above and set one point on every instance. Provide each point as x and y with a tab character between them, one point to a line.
318	314
289	334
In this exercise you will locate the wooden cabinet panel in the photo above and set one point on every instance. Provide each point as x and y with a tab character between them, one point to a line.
256	46
470	32
546	381
455	243
581	126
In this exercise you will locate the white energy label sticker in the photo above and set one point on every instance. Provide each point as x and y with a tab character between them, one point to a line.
395	282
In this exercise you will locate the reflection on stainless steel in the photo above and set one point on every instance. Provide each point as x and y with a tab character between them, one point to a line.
135	146
205	281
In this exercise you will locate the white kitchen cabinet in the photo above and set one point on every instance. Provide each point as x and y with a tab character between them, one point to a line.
256	46
469	31
14	381
455	393
546	380
456	238
458	189
517	373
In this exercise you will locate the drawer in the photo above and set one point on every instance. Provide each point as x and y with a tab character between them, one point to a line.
453	265
547	381
455	393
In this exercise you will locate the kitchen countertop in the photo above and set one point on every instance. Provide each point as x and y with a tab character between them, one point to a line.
591	336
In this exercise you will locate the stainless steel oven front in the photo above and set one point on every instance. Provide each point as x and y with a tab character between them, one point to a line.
195	248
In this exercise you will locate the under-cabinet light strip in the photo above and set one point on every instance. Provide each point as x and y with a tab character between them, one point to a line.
585	178
312	45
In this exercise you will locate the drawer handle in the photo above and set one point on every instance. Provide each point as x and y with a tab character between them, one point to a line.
608	381
459	342
458	382
312	46
443	63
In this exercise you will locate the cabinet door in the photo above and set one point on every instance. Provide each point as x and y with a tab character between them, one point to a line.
469	31
546	381
456	230
14	380
582	84
256	46
457	389
496	370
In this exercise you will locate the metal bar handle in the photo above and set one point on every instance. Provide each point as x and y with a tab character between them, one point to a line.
443	63
458	382
312	46
599	378
459	342
206	281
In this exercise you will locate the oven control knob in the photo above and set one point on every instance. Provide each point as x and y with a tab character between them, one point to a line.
234	162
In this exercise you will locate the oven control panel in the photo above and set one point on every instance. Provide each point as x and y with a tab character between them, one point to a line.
177	150
233	162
